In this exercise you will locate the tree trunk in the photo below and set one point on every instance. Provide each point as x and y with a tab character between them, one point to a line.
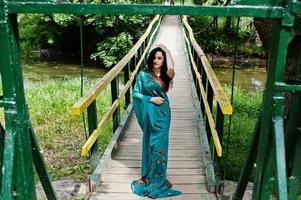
264	29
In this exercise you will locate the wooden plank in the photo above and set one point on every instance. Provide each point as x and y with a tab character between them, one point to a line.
125	188
176	120
172	136
126	178
175	151
171	153
127	196
173	123
172	164
172	133
179	134
184	140
137	171
96	175
188	116
130	157
173	147
138	142
171	128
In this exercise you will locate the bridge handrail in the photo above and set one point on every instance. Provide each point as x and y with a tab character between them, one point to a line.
98	88
208	88
210	118
203	98
218	90
92	94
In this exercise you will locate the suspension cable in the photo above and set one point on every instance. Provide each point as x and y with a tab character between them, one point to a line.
215	25
82	70
232	94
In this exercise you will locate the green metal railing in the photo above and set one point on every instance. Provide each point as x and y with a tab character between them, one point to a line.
21	149
275	148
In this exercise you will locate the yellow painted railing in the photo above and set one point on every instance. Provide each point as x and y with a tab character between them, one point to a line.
86	100
204	94
219	93
91	96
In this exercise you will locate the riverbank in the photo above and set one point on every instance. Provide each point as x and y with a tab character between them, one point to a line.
61	135
221	61
247	78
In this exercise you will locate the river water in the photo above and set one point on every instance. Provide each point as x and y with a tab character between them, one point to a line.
248	78
43	71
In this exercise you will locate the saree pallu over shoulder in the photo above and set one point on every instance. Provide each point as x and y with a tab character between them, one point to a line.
145	88
154	121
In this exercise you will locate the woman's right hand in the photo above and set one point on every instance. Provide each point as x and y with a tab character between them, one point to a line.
157	100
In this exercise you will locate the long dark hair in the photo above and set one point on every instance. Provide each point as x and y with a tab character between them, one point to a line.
150	66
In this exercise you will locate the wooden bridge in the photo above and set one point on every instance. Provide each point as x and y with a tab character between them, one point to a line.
198	106
186	168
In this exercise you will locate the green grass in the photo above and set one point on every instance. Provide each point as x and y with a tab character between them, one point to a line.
60	134
246	107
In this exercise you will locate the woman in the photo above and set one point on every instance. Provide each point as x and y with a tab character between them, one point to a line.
151	105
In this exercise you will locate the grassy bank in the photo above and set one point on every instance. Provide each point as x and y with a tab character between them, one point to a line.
246	107
60	134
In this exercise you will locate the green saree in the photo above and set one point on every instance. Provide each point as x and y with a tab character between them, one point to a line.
154	121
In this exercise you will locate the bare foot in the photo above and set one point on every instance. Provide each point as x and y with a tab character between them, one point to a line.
139	181
169	183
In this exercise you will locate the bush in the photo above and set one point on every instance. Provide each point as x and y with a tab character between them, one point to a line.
220	39
59	133
246	106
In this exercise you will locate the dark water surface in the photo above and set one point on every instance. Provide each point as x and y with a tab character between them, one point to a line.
44	71
248	79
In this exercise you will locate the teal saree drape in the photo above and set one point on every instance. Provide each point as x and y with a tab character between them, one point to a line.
154	121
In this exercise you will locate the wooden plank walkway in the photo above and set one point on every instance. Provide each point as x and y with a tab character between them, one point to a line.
185	161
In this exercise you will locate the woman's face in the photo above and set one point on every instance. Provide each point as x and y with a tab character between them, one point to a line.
158	60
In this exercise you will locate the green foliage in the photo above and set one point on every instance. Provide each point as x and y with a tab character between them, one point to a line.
246	107
64	20
111	50
220	37
36	32
59	35
115	45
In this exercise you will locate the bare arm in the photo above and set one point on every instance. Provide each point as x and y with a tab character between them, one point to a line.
169	60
